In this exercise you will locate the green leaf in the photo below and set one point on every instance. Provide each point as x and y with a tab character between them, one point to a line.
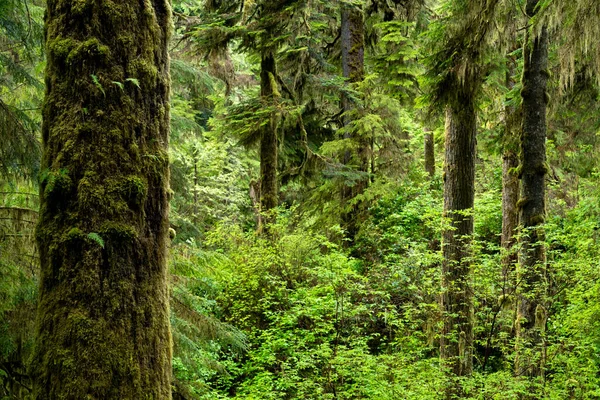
134	81
97	83
96	238
119	84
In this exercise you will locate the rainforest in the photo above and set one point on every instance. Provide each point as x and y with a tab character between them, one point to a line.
299	199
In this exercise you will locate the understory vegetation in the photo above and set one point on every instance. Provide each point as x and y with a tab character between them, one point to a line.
335	293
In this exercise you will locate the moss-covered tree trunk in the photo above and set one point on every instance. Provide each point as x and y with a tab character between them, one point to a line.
269	192
352	42
456	347
429	154
103	318
510	215
531	314
510	186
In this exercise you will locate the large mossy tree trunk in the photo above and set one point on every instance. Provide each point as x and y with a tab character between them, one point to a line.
269	192
531	273
352	43
456	343
103	318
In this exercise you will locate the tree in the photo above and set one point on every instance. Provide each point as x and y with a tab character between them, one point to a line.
260	28
353	48
269	188
531	273
459	195
103	317
510	159
456	75
429	151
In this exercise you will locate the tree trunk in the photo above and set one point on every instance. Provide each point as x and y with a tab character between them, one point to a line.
510	216
352	41
456	344
429	154
510	187
269	192
103	318
531	314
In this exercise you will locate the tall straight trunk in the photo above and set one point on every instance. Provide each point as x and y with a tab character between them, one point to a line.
456	344
352	41
510	215
269	193
103	318
531	314
429	154
510	186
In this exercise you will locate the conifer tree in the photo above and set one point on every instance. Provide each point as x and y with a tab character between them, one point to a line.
103	319
456	72
531	312
353	47
510	159
429	150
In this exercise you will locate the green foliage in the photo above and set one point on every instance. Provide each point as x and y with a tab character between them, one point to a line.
96	238
296	316
20	88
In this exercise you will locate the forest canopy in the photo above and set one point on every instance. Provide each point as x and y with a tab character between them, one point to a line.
300	199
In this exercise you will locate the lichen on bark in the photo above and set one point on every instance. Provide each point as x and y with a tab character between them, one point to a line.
103	318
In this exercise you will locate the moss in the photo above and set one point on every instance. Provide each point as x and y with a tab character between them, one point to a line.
74	233
273	83
118	231
80	7
522	202
61	47
91	48
134	190
102	324
144	72
57	184
125	40
518	171
537	219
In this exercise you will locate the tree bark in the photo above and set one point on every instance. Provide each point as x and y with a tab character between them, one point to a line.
429	154
103	318
531	314
269	192
510	215
456	344
510	186
352	42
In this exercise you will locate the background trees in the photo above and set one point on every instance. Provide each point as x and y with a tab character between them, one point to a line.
303	312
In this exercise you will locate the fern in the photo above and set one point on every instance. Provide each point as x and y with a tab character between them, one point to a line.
98	84
134	81
96	238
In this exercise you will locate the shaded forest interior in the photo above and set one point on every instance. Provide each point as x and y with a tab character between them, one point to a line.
294	199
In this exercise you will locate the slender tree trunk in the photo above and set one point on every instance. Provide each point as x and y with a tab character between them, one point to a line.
510	215
531	314
352	41
456	344
510	188
195	216
269	192
429	154
103	319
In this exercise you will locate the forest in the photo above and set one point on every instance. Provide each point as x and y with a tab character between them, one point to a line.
299	199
